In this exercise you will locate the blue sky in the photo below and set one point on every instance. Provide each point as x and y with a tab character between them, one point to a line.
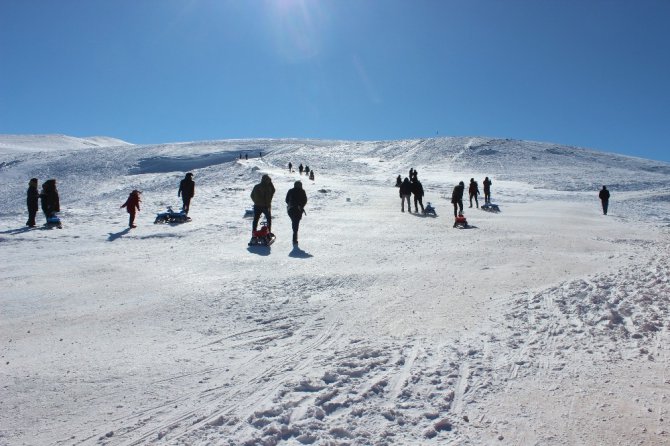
590	73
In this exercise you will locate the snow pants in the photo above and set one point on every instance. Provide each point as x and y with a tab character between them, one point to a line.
131	219
404	198
476	200
296	216
458	208
418	199
258	210
605	206
186	200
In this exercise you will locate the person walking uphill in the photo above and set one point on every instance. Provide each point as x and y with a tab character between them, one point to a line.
32	201
405	194
417	191
186	191
132	204
473	190
604	196
457	199
261	195
296	199
50	199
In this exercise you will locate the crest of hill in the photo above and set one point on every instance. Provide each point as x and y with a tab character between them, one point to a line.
41	143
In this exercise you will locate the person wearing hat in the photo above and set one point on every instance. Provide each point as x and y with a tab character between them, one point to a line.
296	199
50	198
186	191
457	199
32	201
132	204
261	195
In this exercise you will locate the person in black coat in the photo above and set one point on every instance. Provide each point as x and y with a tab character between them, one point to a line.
417	191
50	198
296	199
32	200
405	194
186	191
457	199
487	190
604	196
473	190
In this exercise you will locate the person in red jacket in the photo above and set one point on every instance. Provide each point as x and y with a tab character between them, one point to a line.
132	204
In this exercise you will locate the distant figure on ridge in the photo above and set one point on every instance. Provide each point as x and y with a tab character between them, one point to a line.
417	191
32	201
311	175
405	193
261	195
296	199
186	191
290	167
132	204
50	198
487	190
457	199
473	190
604	199
300	168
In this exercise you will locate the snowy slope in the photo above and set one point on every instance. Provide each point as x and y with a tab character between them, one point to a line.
544	324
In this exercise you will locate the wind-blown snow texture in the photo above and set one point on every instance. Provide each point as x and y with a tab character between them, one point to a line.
546	323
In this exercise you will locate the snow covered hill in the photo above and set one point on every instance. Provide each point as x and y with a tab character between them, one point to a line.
546	323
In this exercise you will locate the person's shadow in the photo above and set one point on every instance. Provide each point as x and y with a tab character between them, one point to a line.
17	231
299	253
117	235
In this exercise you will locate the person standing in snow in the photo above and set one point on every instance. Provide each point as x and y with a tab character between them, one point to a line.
290	167
261	195
296	199
398	181
311	175
132	205
50	198
604	199
32	201
417	191
186	191
473	190
487	190
405	193
457	199
300	168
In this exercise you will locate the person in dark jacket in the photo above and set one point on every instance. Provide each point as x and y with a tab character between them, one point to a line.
473	190
296	199
261	195
405	194
398	181
457	199
604	198
290	167
417	191
132	205
311	175
186	191
32	201
50	198
487	190
300	168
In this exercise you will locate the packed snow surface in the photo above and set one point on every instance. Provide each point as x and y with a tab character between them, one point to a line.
543	324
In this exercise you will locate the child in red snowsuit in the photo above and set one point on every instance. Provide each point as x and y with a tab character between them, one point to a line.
132	204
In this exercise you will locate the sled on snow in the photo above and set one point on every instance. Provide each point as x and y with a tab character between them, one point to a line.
53	221
262	237
490	207
461	222
171	216
429	210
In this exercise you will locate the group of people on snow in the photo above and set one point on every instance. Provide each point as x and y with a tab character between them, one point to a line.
262	194
407	189
301	169
48	197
